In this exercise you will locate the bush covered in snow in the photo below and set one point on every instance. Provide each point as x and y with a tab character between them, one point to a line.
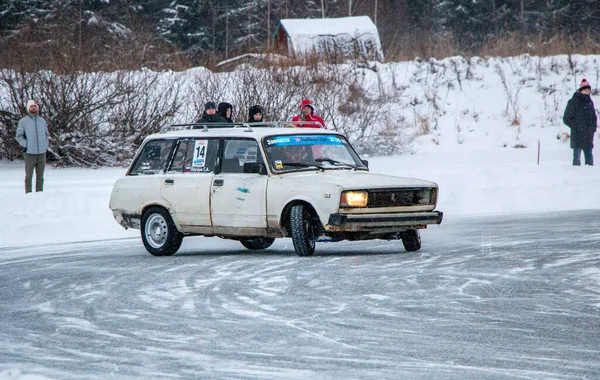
101	118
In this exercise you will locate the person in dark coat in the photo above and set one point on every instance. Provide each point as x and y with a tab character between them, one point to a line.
255	114
210	114
225	110
580	116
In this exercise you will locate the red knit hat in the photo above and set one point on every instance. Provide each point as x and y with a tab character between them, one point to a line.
584	84
307	103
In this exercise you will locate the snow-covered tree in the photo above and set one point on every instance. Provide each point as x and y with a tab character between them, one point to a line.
473	22
570	16
188	24
16	14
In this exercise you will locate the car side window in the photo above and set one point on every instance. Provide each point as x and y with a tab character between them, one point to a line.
152	158
237	152
195	156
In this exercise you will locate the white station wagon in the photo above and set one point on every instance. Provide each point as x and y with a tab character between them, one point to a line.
256	183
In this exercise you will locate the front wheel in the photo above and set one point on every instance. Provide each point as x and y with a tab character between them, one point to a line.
411	240
303	231
258	242
159	234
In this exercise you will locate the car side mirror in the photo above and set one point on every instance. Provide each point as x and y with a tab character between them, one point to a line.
365	162
255	167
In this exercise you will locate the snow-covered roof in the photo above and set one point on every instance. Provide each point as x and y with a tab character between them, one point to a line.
358	34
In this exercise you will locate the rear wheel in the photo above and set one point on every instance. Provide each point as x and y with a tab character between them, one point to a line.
411	240
258	242
159	234
303	230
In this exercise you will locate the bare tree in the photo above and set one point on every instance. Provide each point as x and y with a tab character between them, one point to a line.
94	119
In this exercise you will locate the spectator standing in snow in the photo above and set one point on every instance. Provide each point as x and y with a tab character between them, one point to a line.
255	114
580	117
225	110
32	134
210	114
307	113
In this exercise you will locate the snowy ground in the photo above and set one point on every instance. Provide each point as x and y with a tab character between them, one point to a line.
510	294
474	179
486	298
477	177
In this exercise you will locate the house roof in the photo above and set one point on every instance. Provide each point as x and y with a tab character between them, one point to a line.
305	35
231	63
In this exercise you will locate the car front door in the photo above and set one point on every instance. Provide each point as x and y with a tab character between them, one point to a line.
186	185
238	199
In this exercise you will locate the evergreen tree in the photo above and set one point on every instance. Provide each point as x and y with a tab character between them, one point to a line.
188	24
472	22
422	14
16	14
570	17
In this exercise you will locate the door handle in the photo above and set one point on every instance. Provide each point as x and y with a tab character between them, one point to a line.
218	182
169	181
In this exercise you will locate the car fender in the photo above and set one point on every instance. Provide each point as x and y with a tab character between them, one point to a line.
324	198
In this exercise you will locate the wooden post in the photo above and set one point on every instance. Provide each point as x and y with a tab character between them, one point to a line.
538	160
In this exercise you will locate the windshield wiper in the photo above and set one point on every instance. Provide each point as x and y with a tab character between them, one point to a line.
301	165
334	162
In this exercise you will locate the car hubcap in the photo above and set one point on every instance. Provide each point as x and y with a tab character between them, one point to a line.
156	230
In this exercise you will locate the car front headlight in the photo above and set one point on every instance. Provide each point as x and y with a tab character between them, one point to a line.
354	199
424	196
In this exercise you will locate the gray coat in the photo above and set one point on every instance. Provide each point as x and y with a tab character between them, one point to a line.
32	134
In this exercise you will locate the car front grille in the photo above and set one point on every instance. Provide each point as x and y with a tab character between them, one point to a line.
395	198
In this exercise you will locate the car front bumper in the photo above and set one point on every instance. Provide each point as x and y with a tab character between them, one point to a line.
359	222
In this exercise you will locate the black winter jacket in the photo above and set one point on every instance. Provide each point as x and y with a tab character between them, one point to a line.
580	116
216	118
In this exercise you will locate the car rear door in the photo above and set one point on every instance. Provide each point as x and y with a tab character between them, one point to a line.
186	185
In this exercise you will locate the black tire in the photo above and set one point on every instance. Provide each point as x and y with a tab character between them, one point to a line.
303	231
258	242
411	240
159	234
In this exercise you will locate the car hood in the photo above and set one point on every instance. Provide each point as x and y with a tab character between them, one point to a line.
359	179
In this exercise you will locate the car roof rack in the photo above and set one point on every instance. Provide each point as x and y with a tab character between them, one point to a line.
248	126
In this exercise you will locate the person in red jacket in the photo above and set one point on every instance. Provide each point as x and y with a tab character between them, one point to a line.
307	113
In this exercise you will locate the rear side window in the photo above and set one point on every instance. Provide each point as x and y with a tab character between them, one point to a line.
237	152
153	157
195	156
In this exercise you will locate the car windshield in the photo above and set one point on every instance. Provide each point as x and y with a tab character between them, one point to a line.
309	152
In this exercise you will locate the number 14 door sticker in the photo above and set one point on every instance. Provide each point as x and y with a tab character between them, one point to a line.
199	160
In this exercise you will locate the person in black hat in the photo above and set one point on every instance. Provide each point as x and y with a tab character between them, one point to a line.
580	117
210	114
226	110
255	114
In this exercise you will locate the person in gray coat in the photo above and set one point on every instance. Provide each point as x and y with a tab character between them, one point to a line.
32	134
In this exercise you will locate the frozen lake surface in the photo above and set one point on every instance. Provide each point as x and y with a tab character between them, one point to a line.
486	298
